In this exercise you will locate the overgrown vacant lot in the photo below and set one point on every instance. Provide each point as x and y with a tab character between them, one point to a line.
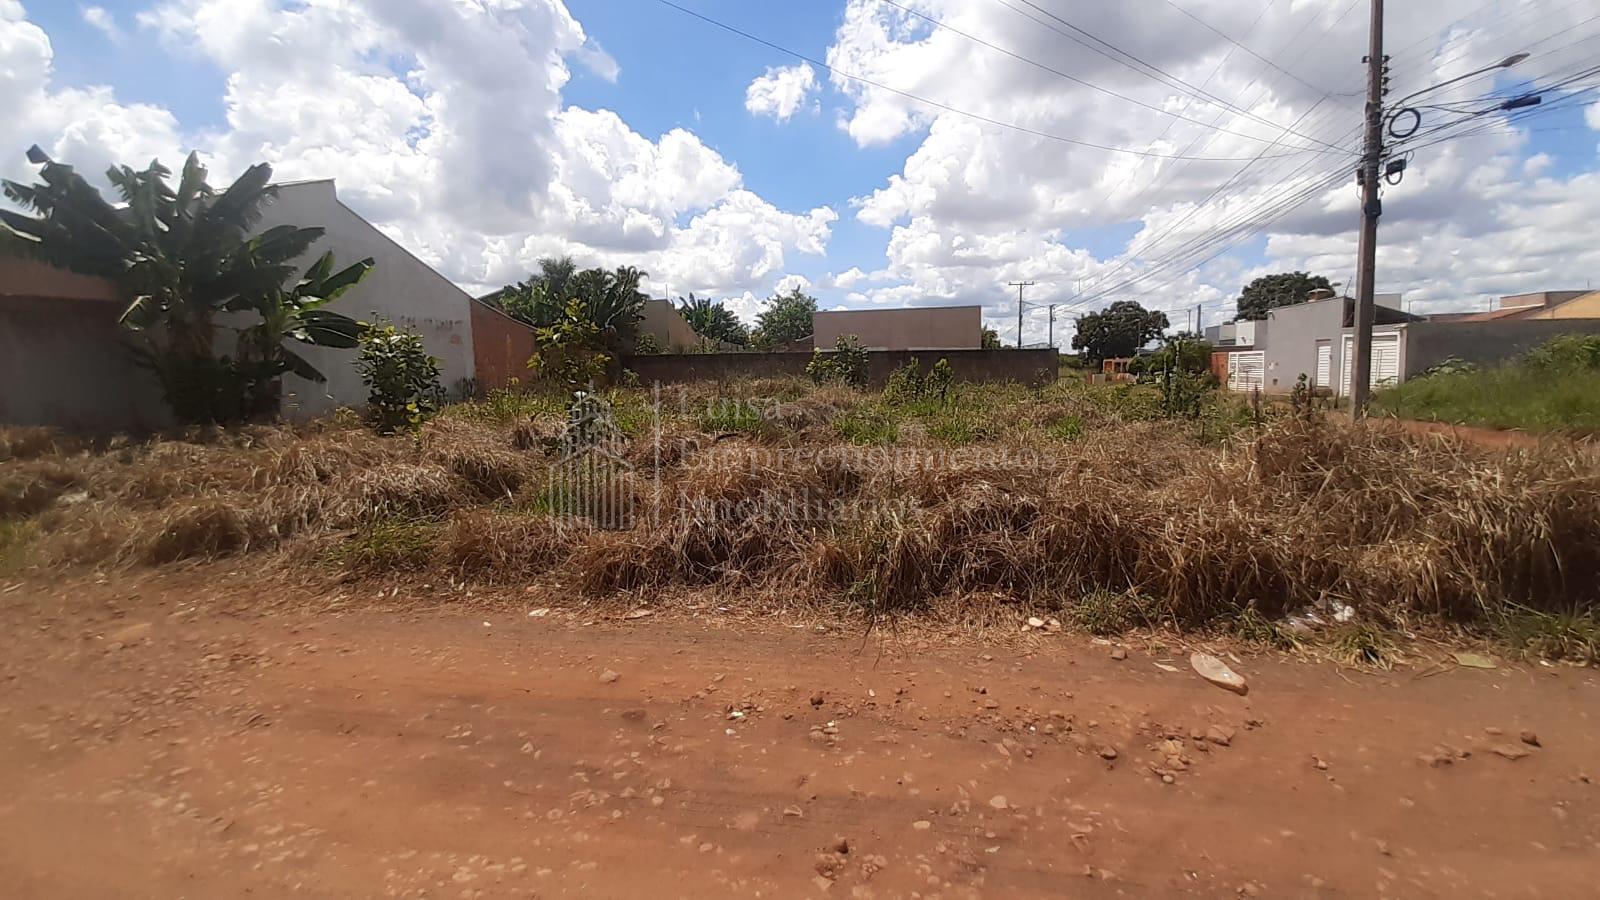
995	504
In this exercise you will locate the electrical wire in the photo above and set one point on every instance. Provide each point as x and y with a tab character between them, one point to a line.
1089	84
1225	36
1128	257
1128	60
979	117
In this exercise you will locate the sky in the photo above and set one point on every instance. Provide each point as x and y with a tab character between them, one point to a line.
876	153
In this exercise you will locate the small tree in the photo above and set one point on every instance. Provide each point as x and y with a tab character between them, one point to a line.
847	363
402	379
570	351
788	317
1273	291
991	339
1118	330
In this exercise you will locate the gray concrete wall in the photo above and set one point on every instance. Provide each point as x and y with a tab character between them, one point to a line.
1430	343
63	363
936	327
1024	366
400	288
1291	343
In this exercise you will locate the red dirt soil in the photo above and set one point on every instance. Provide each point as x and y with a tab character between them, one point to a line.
465	753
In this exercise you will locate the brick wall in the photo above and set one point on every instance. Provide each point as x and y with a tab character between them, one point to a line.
501	347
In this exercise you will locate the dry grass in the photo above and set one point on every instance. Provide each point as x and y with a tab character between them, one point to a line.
1123	522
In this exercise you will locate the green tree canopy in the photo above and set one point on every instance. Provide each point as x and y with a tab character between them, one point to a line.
1117	330
1273	291
712	320
991	339
609	300
786	318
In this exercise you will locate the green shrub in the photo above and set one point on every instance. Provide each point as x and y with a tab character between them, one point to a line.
847	363
403	389
907	385
1569	352
904	384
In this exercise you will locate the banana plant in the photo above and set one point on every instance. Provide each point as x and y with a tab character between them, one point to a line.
297	315
183	257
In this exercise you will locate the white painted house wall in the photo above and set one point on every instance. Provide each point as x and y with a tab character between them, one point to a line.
400	288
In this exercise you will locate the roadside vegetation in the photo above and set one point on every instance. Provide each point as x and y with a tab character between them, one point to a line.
1092	504
1553	388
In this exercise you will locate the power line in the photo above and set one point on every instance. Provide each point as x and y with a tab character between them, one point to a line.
1076	80
945	106
1173	174
1219	33
1161	75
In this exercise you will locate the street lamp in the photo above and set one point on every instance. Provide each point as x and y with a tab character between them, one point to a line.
1506	63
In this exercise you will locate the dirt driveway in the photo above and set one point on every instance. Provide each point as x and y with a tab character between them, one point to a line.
459	754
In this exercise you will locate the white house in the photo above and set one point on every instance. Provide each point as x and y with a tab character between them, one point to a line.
400	288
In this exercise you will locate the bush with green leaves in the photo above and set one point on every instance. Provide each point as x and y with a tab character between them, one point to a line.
570	351
1569	352
846	363
402	379
907	384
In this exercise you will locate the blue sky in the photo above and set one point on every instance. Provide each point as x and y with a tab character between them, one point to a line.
855	179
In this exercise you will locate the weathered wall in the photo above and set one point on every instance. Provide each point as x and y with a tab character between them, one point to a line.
1025	366
663	322
63	363
501	347
936	327
1430	343
400	288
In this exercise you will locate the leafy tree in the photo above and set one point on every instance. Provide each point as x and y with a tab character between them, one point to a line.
1183	352
991	339
712	320
402	379
570	351
1273	291
1117	330
609	300
183	257
847	363
786	318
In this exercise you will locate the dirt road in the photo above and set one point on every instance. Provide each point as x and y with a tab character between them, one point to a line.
458	754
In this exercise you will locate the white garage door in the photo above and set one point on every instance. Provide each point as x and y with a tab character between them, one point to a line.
1246	371
1385	361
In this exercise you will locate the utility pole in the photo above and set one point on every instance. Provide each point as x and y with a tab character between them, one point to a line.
1019	285
1052	339
1199	329
1371	209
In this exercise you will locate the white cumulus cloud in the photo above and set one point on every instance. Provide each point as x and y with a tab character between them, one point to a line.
781	92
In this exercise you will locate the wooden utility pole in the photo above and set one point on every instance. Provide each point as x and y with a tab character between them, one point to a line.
1052	338
1371	209
1019	285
